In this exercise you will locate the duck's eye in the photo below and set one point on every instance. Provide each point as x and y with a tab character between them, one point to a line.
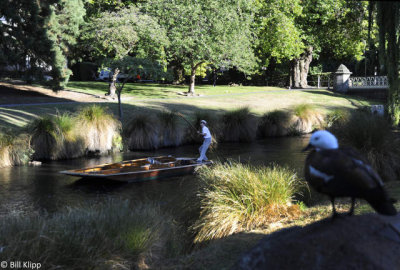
316	138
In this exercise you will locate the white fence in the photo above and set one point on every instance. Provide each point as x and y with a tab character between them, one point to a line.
369	82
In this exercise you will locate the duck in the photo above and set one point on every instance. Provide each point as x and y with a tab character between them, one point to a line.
343	172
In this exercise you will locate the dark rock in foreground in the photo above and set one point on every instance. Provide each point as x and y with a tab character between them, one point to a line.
359	242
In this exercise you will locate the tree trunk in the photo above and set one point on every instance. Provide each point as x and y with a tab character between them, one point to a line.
192	80
113	84
299	69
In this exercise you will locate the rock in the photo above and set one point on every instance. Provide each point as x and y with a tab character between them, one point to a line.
358	242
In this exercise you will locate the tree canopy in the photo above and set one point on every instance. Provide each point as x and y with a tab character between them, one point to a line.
217	32
39	33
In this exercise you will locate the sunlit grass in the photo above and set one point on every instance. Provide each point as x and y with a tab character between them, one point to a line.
239	197
98	127
14	150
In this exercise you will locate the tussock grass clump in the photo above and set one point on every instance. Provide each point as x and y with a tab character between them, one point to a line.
275	123
14	150
372	136
46	137
142	133
106	236
307	119
55	137
239	125
98	127
171	133
239	197
336	117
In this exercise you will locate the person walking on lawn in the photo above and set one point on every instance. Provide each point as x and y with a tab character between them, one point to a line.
205	132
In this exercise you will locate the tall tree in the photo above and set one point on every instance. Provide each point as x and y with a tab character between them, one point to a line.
128	41
300	30
39	33
217	32
63	28
388	20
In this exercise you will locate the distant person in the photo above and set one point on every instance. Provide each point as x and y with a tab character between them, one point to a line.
138	77
205	132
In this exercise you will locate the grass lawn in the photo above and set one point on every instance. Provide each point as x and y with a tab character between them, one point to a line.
154	90
151	98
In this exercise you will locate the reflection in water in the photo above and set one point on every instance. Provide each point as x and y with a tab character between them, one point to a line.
42	189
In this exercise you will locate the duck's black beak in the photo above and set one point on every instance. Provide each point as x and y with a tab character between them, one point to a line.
308	147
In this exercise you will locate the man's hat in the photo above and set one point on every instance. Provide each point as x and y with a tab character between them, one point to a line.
204	122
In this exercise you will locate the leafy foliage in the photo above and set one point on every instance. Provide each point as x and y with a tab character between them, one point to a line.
207	31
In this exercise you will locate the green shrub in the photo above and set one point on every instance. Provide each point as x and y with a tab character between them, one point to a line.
97	127
109	235
142	133
239	125
372	136
239	197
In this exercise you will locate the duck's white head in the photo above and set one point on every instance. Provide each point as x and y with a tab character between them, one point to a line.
322	140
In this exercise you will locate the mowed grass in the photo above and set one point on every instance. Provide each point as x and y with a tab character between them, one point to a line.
258	101
154	90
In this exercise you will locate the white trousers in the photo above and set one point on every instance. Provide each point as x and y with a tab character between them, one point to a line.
203	149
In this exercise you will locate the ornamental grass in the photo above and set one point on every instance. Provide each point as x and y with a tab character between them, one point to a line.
171	133
372	136
239	125
307	119
56	137
14	150
238	197
276	123
112	235
98	128
142	133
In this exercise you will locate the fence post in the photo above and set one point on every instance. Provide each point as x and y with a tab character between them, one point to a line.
319	81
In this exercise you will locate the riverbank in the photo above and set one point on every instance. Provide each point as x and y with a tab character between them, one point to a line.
151	98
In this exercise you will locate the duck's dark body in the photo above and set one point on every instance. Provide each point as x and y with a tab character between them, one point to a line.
344	173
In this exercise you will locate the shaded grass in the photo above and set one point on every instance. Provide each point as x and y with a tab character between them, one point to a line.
373	137
275	123
112	234
239	125
171	132
239	197
141	133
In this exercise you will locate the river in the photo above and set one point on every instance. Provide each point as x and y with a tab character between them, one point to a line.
42	189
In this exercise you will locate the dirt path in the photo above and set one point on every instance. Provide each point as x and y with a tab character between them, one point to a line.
14	94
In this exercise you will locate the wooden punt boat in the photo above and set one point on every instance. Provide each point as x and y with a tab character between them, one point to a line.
138	170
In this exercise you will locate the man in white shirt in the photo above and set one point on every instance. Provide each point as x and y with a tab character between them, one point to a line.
205	132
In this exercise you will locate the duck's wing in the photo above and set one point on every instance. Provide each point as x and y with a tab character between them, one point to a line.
322	167
362	171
